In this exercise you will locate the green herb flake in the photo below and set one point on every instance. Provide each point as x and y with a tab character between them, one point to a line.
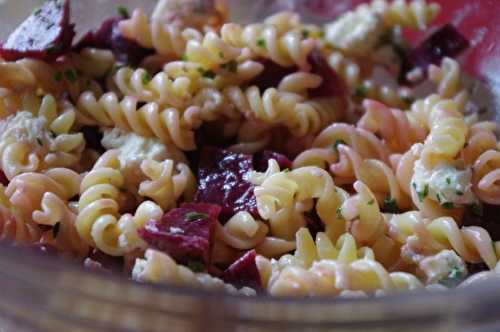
408	100
338	212
37	12
459	193
58	76
195	216
261	42
422	194
123	11
184	57
448	205
39	141
71	76
448	181
286	170
146	78
196	266
55	230
305	33
209	74
438	197
390	205
371	201
453	278
231	66
221	54
360	91
476	209
335	145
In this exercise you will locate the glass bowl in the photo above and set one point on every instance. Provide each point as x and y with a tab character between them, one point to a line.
38	293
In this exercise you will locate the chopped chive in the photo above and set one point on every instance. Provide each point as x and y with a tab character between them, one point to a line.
221	54
58	76
448	180
408	100
37	12
476	209
390	205
146	78
438	197
195	216
337	143
231	66
423	194
371	201
322	34
55	229
261	42
70	75
196	266
305	33
338	212
286	170
459	193
360	91
39	141
123	11
184	57
209	74
453	278
448	205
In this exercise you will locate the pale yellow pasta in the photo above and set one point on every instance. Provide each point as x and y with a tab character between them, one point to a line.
242	231
447	79
99	222
56	213
158	267
414	14
164	186
486	177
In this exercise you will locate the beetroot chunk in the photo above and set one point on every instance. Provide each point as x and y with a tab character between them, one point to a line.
332	85
221	175
45	34
3	178
272	74
108	36
261	161
185	233
445	42
244	272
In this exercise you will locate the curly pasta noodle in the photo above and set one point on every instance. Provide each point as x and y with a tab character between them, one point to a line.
486	177
25	191
481	139
99	222
399	130
426	237
39	138
415	14
242	231
158	267
13	227
56	213
447	79
164	186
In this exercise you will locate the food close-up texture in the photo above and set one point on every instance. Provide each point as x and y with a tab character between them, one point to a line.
278	157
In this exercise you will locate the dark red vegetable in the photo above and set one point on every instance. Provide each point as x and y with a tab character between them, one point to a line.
185	233
3	178
244	272
445	42
93	138
272	74
45	34
261	160
332	85
221	176
486	216
108	36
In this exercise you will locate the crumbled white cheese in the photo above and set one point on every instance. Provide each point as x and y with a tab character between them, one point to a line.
25	128
445	264
356	32
443	184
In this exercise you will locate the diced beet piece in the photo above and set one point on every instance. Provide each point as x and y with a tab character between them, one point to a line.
489	219
445	42
3	178
332	85
261	160
108	36
222	181
272	74
185	233
314	223
244	272
45	34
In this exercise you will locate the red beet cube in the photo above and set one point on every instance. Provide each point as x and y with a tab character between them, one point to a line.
261	161
45	34
222	181
244	272
332	85
185	233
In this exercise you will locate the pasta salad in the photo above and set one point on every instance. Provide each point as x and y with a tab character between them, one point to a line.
178	147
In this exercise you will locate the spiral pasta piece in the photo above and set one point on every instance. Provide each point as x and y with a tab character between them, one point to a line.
425	237
158	267
99	222
242	231
165	187
447	79
486	177
481	139
25	191
63	236
415	14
